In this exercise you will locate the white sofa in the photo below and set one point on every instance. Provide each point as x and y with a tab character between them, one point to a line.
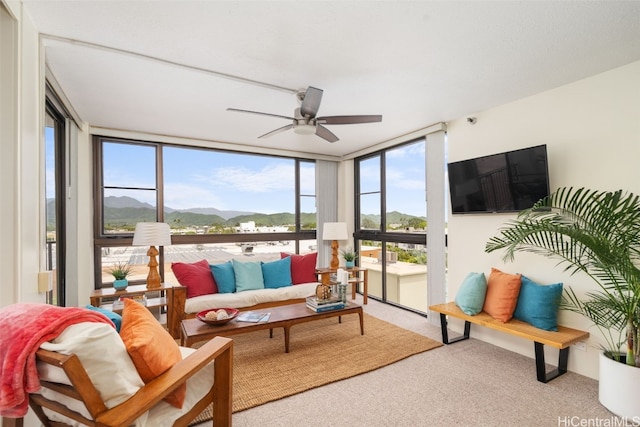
240	284
248	299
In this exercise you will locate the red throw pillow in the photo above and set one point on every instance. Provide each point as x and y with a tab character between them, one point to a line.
502	295
196	277
303	267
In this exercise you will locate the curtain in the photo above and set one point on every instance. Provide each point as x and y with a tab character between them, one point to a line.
326	205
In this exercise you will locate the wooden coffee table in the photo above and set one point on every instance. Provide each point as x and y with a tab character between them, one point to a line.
284	316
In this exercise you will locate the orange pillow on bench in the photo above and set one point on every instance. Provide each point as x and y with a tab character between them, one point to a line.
502	295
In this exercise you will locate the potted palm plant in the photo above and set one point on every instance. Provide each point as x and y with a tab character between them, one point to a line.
120	271
596	233
349	256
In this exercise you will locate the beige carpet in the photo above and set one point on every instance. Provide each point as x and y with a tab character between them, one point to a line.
320	353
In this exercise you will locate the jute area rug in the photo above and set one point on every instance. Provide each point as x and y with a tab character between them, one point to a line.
321	352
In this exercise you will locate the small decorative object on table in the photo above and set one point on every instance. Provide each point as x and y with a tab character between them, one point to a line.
323	292
349	256
254	317
217	316
120	271
320	305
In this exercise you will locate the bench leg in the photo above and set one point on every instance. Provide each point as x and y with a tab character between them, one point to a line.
445	333
541	370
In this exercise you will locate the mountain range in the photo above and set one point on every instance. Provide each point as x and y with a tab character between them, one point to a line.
124	211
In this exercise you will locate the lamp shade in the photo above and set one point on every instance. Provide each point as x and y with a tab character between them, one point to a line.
152	234
334	231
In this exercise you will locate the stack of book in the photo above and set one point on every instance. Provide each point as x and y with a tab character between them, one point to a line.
320	305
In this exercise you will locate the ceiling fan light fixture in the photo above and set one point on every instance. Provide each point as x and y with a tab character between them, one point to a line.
304	129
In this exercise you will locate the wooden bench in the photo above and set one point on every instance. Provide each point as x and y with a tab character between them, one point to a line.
562	340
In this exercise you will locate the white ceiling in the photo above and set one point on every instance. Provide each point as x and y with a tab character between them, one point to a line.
152	66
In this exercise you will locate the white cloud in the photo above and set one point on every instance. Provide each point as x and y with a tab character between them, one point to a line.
269	178
184	196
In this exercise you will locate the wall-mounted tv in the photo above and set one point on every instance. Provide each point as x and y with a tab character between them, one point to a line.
504	182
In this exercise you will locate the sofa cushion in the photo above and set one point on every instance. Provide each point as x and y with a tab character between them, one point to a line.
303	267
197	277
248	275
224	276
151	348
471	294
277	274
538	304
502	295
249	298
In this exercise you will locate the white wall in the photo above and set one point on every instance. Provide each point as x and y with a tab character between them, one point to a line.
592	131
21	210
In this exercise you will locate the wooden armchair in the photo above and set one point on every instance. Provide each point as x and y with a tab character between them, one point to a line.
219	350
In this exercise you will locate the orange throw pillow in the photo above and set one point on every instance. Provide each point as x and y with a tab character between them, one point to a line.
151	348
502	295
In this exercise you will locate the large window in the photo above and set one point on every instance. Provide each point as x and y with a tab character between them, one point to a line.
219	204
391	224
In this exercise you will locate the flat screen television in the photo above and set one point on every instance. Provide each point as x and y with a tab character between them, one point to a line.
504	182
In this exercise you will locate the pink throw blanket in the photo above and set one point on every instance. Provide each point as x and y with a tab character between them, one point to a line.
23	327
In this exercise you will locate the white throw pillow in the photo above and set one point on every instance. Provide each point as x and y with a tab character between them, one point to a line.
104	357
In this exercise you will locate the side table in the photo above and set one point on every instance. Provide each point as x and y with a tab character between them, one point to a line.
357	275
174	296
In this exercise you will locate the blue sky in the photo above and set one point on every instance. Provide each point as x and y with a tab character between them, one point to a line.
196	178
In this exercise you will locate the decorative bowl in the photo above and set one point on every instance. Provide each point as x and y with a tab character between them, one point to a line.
232	312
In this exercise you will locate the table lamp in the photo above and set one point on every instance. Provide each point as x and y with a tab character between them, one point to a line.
334	231
152	234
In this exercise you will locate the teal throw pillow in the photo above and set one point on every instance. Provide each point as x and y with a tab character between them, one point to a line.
277	274
225	277
248	276
470	296
538	304
114	317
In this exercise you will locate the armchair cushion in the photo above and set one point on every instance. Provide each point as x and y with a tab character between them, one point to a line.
113	316
161	415
102	353
152	349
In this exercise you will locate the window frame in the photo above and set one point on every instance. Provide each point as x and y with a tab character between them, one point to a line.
103	240
382	235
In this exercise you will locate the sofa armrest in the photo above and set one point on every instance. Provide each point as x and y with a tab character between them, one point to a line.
175	313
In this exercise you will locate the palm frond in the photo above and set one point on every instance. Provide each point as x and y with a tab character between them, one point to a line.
593	232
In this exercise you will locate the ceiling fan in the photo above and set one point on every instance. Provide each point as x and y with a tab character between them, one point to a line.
305	122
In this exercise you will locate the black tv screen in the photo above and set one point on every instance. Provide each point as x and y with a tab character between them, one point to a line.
504	182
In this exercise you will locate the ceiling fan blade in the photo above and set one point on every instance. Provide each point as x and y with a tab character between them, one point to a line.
348	120
311	102
259	113
276	131
325	133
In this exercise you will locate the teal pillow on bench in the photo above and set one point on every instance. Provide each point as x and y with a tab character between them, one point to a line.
470	296
538	304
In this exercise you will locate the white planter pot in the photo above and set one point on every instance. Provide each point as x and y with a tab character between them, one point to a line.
619	385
